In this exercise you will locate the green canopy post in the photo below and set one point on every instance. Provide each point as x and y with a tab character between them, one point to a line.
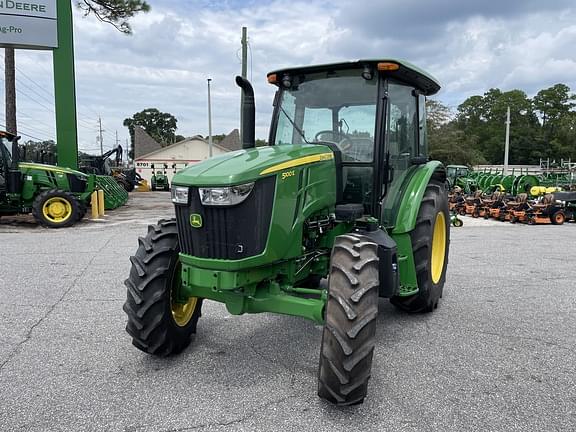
65	88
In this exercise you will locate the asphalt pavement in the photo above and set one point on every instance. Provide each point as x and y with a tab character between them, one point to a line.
499	354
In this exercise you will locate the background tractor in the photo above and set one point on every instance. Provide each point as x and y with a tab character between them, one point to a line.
128	178
342	208
159	180
56	196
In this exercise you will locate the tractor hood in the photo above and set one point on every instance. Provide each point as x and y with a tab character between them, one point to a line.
28	166
245	166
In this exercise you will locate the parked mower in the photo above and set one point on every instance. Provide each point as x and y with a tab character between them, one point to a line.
345	192
473	204
56	196
497	206
159	180
568	200
455	220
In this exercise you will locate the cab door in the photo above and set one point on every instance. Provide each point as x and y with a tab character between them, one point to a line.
404	148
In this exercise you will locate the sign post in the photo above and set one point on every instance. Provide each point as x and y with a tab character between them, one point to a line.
47	25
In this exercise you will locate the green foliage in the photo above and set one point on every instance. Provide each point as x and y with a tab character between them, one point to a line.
446	142
541	127
218	138
114	12
38	151
160	126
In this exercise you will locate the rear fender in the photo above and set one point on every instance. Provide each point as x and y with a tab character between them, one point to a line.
412	195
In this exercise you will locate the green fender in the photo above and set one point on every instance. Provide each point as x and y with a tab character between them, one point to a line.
413	193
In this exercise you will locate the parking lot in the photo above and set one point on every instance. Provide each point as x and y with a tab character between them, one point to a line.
499	354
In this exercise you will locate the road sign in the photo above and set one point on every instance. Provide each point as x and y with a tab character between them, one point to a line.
30	24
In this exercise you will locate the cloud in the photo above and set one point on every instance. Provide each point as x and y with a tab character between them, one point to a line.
469	46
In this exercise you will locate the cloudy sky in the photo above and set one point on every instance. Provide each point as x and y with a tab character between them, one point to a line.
469	46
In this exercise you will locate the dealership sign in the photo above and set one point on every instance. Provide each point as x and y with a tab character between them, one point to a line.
28	24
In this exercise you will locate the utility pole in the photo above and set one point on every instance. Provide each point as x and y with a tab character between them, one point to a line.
507	143
127	155
10	81
209	120
100	136
244	74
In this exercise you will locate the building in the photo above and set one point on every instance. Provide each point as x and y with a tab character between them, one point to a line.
179	155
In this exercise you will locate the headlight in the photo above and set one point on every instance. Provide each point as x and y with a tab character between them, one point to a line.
179	195
225	196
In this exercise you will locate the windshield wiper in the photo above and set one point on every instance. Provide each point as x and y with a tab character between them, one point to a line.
294	125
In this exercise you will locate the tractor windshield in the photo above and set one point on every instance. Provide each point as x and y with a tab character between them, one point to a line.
333	106
6	152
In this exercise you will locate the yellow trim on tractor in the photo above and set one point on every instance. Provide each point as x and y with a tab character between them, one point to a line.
297	162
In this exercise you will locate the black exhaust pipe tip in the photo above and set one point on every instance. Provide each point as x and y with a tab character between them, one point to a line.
248	114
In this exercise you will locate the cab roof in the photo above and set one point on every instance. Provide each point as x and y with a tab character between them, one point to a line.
406	72
7	135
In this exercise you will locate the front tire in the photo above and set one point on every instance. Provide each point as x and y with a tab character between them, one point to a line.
430	244
157	323
350	328
56	208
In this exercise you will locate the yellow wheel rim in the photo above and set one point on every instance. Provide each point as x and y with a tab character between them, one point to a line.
57	209
438	248
181	312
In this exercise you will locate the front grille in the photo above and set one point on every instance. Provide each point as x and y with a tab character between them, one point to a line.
230	233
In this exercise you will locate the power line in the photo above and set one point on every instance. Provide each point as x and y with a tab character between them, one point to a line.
51	102
25	134
36	130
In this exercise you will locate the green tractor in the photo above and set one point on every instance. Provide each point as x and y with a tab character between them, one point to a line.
458	175
56	196
342	208
159	180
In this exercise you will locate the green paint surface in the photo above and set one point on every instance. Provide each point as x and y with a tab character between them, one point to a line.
65	89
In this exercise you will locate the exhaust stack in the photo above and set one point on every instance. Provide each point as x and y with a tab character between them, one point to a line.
248	113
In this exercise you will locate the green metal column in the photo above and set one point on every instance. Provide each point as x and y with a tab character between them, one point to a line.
65	89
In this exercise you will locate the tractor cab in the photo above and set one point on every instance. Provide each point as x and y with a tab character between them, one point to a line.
370	113
9	174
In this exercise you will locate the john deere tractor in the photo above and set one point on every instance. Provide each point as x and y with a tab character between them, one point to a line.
56	196
159	179
343	207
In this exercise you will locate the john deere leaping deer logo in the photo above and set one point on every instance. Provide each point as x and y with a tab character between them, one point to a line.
196	220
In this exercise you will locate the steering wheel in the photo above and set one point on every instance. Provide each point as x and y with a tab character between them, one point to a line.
342	140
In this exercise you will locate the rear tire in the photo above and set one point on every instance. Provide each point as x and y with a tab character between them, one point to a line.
558	218
350	328
154	319
430	263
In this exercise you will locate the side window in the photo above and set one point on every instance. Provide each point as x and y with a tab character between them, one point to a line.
285	128
422	135
402	121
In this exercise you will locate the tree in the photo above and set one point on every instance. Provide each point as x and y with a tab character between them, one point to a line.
554	103
482	119
160	126
39	151
114	12
445	141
